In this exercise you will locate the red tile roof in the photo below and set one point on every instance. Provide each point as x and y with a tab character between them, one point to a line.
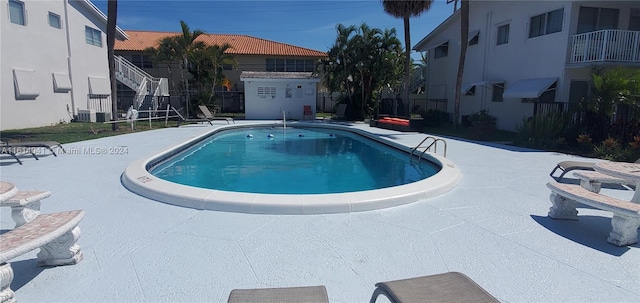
240	44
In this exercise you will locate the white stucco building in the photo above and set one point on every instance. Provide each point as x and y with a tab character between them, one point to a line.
270	95
53	61
527	56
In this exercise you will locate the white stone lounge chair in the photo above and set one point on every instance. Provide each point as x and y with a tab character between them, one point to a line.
307	294
567	166
451	287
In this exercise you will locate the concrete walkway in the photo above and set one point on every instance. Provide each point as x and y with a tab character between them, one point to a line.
493	227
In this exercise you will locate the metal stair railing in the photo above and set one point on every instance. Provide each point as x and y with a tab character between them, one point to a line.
142	82
434	143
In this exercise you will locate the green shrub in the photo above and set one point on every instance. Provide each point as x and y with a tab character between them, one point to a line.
433	117
482	125
542	131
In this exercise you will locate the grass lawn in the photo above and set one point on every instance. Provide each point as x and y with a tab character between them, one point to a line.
80	131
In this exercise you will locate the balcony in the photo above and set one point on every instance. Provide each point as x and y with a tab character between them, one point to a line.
605	46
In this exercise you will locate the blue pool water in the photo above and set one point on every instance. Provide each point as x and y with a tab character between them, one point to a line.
292	161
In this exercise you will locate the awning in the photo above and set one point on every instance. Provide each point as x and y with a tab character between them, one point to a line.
24	82
61	82
473	34
466	87
528	88
99	86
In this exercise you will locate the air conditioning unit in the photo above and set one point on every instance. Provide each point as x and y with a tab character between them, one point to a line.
87	115
103	116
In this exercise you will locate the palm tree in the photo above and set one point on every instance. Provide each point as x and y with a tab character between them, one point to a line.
464	38
218	58
180	49
405	9
112	12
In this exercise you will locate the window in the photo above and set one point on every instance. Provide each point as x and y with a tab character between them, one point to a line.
93	36
441	51
16	12
290	65
54	20
503	34
498	90
634	19
141	61
596	18
547	23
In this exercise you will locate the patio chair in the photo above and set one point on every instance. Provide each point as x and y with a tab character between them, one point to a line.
306	294
50	145
446	287
209	116
567	166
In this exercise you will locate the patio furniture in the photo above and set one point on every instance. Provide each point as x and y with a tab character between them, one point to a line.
6	149
593	180
626	215
306	294
446	287
307	112
25	205
50	145
567	166
209	116
55	234
623	170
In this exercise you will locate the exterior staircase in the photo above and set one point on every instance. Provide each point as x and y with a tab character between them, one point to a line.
418	80
147	87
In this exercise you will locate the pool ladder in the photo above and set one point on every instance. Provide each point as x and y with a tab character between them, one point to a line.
432	143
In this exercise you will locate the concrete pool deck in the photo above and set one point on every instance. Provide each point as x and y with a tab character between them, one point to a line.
493	227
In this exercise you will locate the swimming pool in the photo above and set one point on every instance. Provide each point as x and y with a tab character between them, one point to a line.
277	160
155	177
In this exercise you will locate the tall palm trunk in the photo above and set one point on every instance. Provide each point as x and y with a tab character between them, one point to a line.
407	66
112	12
464	38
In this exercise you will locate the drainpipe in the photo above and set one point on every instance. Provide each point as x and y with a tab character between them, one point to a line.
66	20
485	59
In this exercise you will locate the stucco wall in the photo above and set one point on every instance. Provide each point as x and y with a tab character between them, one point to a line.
44	49
272	108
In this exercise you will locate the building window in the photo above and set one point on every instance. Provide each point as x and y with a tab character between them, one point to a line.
634	19
547	23
93	36
498	90
54	20
596	18
16	12
503	34
141	61
441	50
289	65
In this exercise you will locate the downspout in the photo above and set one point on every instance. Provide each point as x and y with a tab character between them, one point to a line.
73	91
483	95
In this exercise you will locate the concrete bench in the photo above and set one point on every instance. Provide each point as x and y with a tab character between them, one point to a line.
626	215
25	205
593	180
55	234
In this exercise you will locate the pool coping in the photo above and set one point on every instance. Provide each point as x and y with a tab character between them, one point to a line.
137	179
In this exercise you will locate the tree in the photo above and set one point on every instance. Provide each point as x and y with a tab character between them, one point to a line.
179	49
112	12
464	38
360	63
405	10
206	66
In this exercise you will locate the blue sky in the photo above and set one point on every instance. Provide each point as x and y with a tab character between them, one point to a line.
303	23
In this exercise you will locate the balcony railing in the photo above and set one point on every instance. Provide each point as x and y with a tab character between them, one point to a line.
606	46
